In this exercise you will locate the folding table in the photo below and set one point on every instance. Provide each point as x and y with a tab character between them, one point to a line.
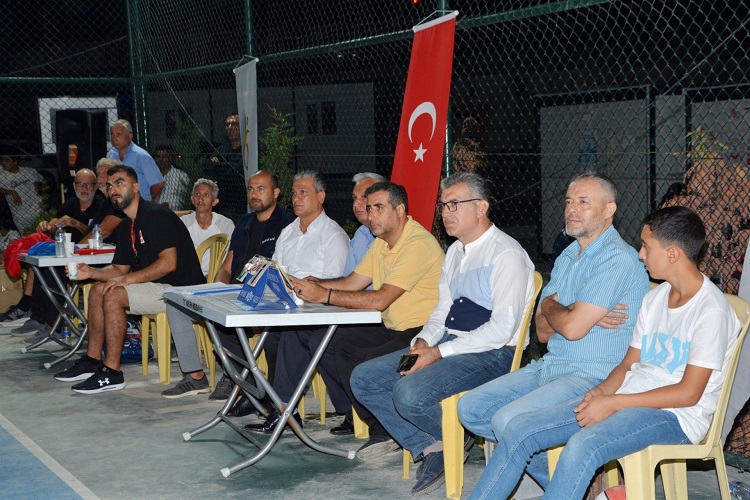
225	309
61	297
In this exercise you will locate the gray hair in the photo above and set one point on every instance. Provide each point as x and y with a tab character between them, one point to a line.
108	162
606	183
85	171
362	176
124	124
207	182
318	181
476	184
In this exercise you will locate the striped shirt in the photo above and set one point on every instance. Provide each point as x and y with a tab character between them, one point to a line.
607	273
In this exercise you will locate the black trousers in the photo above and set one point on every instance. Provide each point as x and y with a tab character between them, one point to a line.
42	309
232	344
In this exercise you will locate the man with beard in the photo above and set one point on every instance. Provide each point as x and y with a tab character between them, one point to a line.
256	233
586	316
403	266
154	251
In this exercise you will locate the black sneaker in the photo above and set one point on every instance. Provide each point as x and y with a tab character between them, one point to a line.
14	314
223	390
81	370
188	386
103	380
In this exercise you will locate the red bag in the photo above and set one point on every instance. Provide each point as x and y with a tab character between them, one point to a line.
21	245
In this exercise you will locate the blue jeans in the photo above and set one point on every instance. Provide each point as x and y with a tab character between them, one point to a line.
527	437
409	406
516	397
625	432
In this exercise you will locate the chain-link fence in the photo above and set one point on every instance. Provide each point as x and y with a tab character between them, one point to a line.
654	93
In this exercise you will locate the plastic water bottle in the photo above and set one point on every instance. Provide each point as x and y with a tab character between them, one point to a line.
739	490
59	242
65	334
96	236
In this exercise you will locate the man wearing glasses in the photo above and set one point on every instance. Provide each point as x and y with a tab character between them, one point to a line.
485	288
74	216
225	167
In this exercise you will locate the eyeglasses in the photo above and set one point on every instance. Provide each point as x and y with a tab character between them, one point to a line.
232	124
85	184
452	206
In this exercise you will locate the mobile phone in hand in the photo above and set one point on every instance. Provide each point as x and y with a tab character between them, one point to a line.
406	362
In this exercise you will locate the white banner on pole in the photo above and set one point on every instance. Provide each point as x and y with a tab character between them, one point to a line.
247	106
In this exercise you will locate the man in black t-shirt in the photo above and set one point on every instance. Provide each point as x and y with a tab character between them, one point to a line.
76	213
256	233
153	252
73	216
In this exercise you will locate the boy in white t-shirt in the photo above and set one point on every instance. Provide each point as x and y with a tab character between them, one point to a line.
666	388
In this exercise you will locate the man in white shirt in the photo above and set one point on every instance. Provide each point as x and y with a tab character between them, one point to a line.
313	245
204	223
485	287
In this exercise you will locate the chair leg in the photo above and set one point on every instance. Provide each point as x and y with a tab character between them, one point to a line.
206	347
145	328
553	455
639	475
86	289
164	341
319	390
674	479
489	449
611	475
406	457
721	471
361	431
453	447
301	407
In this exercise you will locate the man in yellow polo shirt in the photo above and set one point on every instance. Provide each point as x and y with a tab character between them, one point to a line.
403	265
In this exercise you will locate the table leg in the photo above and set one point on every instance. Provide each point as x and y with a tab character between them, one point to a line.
287	409
65	310
254	393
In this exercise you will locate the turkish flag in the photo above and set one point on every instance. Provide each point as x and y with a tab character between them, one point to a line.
421	137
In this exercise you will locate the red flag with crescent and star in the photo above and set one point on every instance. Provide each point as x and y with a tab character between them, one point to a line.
421	137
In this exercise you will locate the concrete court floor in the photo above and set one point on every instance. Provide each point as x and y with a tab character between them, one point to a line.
128	444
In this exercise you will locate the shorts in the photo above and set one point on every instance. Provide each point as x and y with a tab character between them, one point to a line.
145	298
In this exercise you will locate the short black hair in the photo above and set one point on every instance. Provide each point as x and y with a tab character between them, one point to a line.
129	171
678	226
163	147
396	193
274	178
